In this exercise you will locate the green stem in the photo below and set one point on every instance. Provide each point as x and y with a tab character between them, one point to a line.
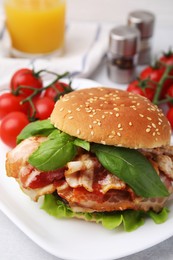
36	91
160	84
66	74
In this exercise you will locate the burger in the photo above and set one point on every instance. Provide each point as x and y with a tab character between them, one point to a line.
104	155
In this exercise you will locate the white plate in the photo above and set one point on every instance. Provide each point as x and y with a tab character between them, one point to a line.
69	238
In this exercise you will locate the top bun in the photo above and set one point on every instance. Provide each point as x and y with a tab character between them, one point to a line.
112	117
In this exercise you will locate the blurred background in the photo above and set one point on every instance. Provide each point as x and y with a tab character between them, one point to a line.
117	10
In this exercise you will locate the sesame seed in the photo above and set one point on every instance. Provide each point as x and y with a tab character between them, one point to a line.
92	132
103	142
118	134
88	110
153	125
117	114
116	108
149	118
148	130
141	115
78	132
61	109
111	136
78	109
130	123
90	126
69	111
119	125
70	117
103	116
65	99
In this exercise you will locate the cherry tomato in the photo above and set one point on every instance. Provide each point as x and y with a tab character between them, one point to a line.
57	88
135	88
169	93
10	103
11	126
146	92
167	58
155	74
25	77
169	116
152	73
44	107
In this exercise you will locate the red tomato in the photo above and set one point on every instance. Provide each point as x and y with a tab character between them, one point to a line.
146	92
44	107
167	58
169	93
155	74
57	88
11	126
152	73
169	116
135	88
25	77
10	103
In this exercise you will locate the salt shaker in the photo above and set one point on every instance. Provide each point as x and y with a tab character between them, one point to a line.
144	21
122	54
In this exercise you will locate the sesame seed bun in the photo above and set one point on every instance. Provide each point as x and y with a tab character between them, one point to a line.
112	117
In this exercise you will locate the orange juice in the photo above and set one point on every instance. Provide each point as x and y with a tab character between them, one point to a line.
36	26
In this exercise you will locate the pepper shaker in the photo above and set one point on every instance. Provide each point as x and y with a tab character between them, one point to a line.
144	21
122	54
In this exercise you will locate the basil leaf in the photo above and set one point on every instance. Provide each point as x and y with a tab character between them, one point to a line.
53	153
42	127
55	133
133	168
81	143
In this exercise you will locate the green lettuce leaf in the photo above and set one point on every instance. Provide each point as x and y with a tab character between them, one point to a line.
129	219
160	217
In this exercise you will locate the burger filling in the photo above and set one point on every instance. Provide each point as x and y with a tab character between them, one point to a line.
84	184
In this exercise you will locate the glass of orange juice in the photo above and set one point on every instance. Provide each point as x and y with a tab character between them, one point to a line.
36	27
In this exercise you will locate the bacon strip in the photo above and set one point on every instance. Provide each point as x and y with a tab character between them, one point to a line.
84	183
